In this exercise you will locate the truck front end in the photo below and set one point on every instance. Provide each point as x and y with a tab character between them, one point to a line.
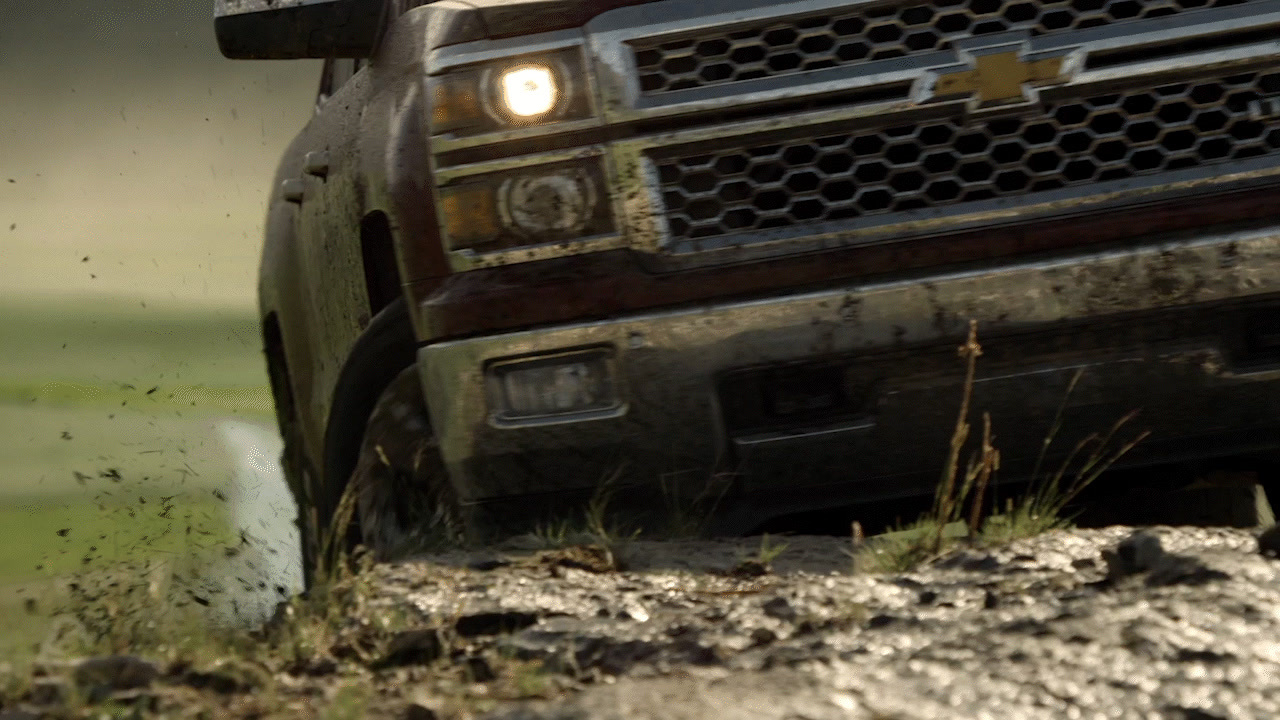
739	239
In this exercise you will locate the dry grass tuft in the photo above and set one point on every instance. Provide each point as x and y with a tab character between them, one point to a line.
1040	509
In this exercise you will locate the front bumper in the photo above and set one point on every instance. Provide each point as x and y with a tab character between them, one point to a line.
1177	329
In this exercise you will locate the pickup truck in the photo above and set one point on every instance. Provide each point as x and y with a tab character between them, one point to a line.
727	248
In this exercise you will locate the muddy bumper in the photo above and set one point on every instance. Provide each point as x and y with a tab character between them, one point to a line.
850	393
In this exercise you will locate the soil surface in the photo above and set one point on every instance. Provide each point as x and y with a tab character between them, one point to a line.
1176	623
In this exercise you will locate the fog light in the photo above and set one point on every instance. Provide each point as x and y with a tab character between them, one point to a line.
549	206
553	386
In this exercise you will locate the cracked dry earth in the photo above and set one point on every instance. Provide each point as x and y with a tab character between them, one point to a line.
1170	623
1178	623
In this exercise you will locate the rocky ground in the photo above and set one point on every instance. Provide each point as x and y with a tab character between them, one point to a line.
1176	623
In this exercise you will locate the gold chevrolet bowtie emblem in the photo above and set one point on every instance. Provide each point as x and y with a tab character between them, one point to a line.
998	78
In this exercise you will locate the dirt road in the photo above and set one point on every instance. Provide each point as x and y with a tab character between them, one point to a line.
1168	623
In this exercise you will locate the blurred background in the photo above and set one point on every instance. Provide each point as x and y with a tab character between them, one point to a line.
136	435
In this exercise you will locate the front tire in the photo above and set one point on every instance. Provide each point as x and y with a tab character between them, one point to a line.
379	436
404	502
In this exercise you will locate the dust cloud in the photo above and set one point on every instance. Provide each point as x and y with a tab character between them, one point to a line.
262	513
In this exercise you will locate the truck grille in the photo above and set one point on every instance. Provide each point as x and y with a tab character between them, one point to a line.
950	161
821	41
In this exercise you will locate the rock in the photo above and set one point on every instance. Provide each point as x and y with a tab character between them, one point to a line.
1203	656
634	612
102	676
226	678
479	670
1174	712
416	711
968	560
1143	552
220	683
411	647
749	569
322	666
881	620
982	563
779	608
615	657
592	558
1138	553
1269	541
487	564
493	623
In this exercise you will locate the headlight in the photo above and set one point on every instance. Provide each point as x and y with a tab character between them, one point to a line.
555	203
548	206
528	92
515	92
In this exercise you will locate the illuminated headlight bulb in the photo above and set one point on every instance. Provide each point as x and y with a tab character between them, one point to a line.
549	207
529	91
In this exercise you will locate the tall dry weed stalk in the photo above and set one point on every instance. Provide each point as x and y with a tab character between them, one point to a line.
949	499
1040	509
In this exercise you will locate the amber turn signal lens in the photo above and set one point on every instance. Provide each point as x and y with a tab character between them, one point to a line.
470	215
456	103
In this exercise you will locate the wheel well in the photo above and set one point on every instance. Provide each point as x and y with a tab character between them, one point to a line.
377	250
383	350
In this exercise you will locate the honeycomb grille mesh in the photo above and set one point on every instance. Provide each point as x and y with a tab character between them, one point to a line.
887	31
948	162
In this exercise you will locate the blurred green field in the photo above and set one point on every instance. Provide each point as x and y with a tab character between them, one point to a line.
110	451
114	344
92	386
63	535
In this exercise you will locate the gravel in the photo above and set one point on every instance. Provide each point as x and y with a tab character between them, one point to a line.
1111	623
1169	623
